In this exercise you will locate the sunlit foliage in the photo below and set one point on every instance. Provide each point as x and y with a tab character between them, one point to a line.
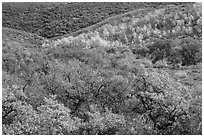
116	80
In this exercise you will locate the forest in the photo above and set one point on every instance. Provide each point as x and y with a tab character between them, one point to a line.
136	73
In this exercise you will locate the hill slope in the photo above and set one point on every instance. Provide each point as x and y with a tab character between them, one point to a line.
9	34
125	17
56	19
128	76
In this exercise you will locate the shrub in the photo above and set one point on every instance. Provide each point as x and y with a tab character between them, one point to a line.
191	51
159	50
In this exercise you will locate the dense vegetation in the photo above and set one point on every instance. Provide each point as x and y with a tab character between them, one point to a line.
139	74
56	19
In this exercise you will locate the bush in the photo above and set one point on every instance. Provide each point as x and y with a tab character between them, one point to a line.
159	50
191	51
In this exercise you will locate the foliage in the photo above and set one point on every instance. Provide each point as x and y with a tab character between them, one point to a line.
104	82
56	19
191	51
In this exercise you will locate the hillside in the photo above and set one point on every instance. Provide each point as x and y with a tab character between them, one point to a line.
123	18
56	19
9	34
136	73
